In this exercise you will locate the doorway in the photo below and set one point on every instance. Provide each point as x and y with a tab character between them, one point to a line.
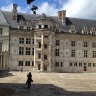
85	68
39	66
45	67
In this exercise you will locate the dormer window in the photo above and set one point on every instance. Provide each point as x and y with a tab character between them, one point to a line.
39	26
21	27
92	31
72	29
50	27
45	26
84	30
57	30
29	28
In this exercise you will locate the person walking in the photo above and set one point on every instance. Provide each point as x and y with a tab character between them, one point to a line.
29	80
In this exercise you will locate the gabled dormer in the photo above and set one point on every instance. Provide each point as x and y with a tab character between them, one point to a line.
72	29
85	30
93	30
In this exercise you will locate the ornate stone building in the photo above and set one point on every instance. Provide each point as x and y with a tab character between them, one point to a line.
47	43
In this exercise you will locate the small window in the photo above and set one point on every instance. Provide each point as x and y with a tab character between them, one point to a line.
27	63
72	53
57	42
75	64
73	43
29	28
93	33
32	63
45	26
70	64
33	41
56	64
27	51
39	44
57	30
39	26
56	52
45	56
21	40
21	50
85	64
32	51
50	27
46	36
21	27
85	44
85	53
28	41
94	64
39	55
89	64
61	64
80	64
94	54
94	45
0	46
45	46
20	63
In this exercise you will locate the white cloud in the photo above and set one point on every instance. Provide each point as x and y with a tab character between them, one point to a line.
74	8
81	8
46	8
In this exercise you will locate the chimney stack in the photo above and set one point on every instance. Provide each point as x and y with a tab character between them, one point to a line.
14	12
62	17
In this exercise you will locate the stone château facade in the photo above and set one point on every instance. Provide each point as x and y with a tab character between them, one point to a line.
47	43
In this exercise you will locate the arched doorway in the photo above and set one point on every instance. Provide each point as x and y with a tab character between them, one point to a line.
85	68
45	67
39	66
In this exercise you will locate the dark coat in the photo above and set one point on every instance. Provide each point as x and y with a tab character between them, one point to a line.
29	79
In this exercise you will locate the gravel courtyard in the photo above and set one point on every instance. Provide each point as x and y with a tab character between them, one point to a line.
50	84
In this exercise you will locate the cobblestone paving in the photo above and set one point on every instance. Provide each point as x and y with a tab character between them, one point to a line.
52	84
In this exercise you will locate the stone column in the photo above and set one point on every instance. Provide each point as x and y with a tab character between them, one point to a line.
42	42
41	66
4	61
34	50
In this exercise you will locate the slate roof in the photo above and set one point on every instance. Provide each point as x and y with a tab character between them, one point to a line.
79	23
2	19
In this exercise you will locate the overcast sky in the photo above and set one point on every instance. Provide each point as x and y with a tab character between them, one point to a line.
74	8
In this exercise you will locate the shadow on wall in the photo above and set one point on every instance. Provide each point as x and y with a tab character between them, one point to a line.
10	89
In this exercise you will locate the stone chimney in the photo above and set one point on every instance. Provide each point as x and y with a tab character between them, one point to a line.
62	17
14	12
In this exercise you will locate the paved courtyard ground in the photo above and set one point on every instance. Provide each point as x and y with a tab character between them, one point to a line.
50	84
